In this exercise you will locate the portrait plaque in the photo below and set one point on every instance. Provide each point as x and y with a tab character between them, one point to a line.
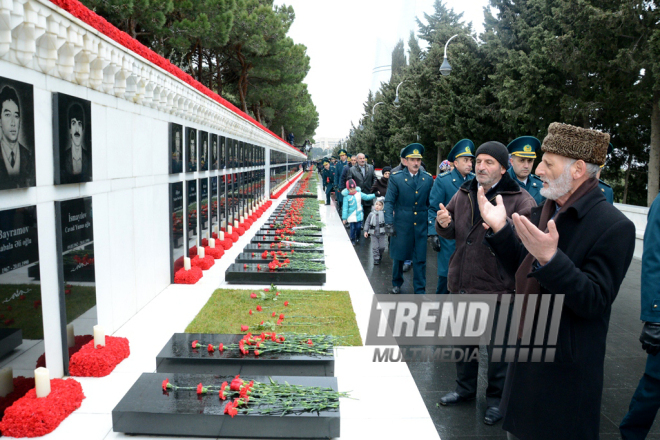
176	228
16	135
72	139
213	142
203	158
191	150
176	148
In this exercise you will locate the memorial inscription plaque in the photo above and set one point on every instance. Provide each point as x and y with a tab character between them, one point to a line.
203	158
176	228
191	215
214	151
75	243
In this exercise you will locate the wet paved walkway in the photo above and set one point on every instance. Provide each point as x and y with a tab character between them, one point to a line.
624	363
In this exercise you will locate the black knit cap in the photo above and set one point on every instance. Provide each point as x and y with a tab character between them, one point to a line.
387	168
496	150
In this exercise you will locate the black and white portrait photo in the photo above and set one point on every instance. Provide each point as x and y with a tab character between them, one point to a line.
16	135
214	151
191	149
176	150
72	139
203	151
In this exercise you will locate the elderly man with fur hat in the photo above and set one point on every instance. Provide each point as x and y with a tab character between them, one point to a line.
574	250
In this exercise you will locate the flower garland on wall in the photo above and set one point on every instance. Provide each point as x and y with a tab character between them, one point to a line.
30	416
99	361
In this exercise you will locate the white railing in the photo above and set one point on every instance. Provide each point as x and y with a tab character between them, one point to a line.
38	35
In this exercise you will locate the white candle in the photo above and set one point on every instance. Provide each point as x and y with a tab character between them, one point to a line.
186	263
70	336
42	381
242	219
6	381
236	223
212	243
222	236
229	229
99	336
215	229
200	252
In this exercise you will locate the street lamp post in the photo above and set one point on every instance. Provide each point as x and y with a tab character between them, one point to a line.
396	99
445	68
373	109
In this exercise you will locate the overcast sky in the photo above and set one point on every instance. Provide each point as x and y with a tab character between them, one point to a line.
346	39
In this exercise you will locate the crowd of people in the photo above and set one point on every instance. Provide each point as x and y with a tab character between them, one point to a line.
503	230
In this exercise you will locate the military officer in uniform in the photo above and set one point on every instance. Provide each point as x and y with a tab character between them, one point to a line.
328	177
339	167
522	153
604	187
406	211
444	188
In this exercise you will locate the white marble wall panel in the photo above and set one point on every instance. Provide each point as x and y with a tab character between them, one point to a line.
103	260
119	143
99	142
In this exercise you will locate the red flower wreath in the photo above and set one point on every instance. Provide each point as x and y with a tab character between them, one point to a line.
227	243
21	386
99	362
191	276
240	230
203	263
233	236
216	252
30	416
80	341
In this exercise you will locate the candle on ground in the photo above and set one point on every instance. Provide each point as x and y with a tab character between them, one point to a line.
222	236
42	381
70	336
186	262
242	219
6	381
229	229
212	243
200	252
99	336
236	223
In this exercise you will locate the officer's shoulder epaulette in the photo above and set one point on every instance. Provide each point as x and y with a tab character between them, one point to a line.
604	183
446	173
427	173
535	176
396	172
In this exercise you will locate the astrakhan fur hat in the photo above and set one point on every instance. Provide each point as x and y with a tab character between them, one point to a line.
576	143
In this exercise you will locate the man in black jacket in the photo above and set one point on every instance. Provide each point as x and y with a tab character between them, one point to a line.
364	177
575	248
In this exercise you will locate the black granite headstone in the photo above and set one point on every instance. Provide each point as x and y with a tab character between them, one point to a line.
147	410
213	142
191	149
204	208
238	273
222	152
177	356
214	204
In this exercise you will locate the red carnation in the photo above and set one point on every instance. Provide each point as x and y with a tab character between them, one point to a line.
222	390
273	315
281	315
194	343
279	322
244	328
245	266
253	295
221	347
256	352
266	290
261	323
309	342
286	303
259	309
229	409
166	384
210	348
250	311
258	266
236	383
200	389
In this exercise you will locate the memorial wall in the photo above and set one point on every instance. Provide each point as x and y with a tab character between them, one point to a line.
114	165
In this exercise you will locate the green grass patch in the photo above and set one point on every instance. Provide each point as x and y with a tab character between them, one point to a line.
309	311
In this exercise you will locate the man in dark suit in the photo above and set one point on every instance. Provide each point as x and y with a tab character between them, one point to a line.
77	160
17	164
364	176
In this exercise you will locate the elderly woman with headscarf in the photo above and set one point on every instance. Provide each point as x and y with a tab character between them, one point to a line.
380	185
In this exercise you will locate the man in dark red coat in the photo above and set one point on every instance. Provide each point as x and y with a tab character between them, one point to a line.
574	245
